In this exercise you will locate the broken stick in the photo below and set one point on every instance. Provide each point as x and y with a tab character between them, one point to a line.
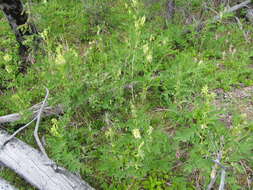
232	9
201	25
47	111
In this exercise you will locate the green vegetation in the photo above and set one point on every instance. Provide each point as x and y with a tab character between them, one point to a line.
138	93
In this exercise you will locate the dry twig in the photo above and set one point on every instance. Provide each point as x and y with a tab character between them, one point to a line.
229	10
37	118
47	111
214	172
222	179
232	9
17	131
38	123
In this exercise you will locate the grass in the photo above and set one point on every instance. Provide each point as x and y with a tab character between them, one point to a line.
138	94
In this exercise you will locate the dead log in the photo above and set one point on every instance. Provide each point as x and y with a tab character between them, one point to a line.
47	111
36	168
4	185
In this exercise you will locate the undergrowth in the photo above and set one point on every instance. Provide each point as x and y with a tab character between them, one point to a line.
138	94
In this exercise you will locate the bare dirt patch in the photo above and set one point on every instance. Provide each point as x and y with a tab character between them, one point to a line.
239	100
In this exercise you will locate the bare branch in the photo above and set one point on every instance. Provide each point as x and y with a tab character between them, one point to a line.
47	111
222	179
232	9
38	123
214	172
17	131
218	17
38	114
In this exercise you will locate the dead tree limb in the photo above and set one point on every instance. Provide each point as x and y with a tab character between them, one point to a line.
218	17
47	111
215	167
214	172
36	136
232	9
4	185
33	166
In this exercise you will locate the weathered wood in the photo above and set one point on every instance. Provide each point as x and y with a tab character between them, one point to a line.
47	111
36	168
232	9
218	17
4	185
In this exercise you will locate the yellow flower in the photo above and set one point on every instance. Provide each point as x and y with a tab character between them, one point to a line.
136	24
142	21
8	68
147	53
152	38
200	62
203	126
133	110
145	48
149	57
150	130
135	3
44	34
7	58
109	133
204	90
60	59
136	133
59	56
55	128
140	151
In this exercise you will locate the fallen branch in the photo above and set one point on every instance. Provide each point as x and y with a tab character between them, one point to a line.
214	172
33	166
38	117
4	185
222	179
17	131
218	17
47	111
232	9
